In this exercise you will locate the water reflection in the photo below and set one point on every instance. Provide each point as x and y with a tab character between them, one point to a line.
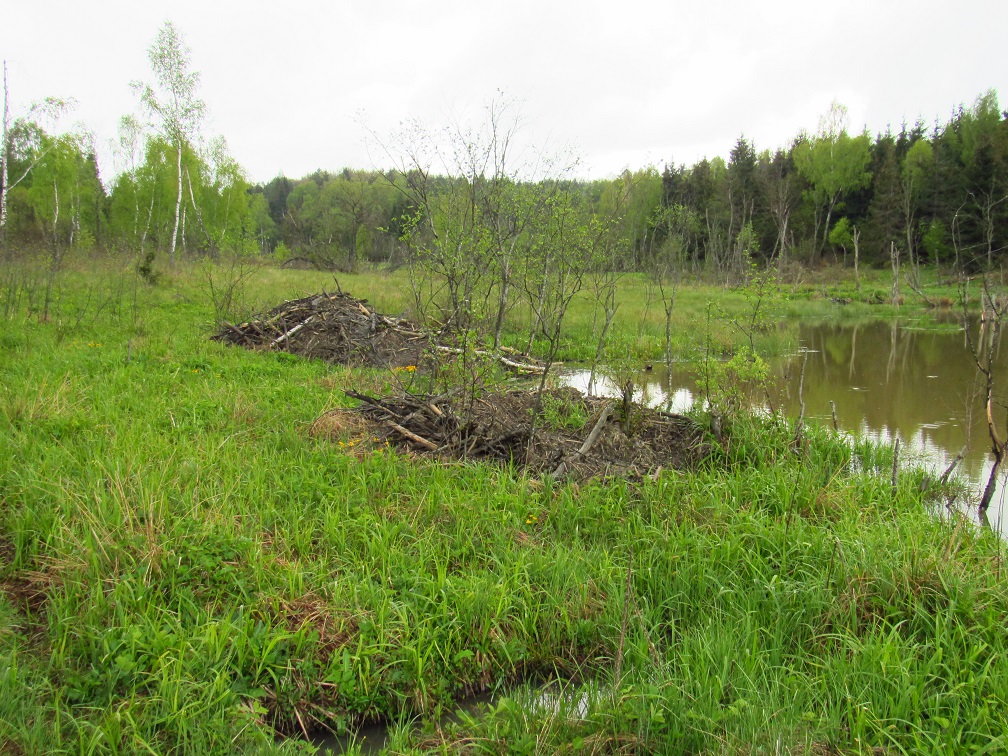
886	380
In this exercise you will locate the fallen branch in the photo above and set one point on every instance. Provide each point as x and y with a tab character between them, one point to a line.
589	442
522	367
292	331
412	436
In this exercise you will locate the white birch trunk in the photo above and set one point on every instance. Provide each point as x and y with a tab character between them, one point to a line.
178	206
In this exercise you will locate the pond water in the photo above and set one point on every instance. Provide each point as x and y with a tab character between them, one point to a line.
887	381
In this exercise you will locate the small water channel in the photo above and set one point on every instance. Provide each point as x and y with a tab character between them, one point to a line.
570	701
887	381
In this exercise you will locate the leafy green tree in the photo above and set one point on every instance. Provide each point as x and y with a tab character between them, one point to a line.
741	181
220	200
63	191
833	163
262	223
985	162
848	236
780	187
173	101
885	214
24	143
917	168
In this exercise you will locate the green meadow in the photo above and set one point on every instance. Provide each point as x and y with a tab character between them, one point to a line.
190	564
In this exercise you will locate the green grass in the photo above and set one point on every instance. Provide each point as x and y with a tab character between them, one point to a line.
187	568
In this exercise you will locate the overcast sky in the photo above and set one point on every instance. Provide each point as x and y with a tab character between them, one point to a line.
625	84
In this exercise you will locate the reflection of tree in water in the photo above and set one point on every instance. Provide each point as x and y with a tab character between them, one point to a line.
889	380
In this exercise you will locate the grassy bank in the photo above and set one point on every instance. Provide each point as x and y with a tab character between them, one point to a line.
188	565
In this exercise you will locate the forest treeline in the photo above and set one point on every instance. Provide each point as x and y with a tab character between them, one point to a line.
923	194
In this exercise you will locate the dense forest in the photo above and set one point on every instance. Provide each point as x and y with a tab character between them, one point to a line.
922	194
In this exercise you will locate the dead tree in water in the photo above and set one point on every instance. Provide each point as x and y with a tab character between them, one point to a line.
992	310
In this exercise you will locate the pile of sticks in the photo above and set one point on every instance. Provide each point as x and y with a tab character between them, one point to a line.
431	424
335	327
342	329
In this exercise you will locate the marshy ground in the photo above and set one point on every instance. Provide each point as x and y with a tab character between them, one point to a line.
191	562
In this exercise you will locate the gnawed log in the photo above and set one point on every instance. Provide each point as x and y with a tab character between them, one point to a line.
521	367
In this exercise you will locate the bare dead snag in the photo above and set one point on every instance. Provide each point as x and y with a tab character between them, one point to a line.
983	352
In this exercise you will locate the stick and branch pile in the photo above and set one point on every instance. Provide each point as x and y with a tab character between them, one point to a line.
431	423
341	329
499	426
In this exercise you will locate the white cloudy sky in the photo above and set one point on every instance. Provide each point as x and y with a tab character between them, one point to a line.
626	84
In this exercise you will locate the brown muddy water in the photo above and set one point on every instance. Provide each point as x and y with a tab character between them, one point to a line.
887	381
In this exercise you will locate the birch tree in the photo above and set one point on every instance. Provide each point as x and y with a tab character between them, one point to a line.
916	172
834	163
23	143
173	101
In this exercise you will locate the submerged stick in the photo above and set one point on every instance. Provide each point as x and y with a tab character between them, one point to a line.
836	427
952	466
895	463
589	442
